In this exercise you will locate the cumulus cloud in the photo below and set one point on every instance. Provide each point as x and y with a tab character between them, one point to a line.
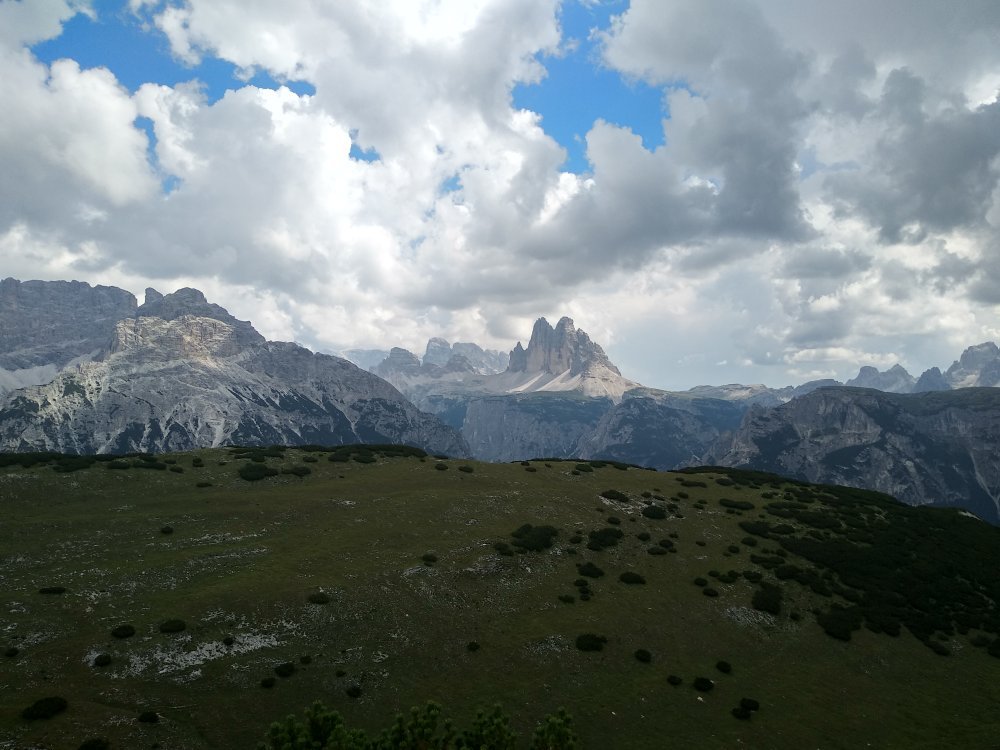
827	188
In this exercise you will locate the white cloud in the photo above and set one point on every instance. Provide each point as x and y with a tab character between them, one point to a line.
827	189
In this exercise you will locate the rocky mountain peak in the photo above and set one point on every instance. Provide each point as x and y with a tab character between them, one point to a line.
978	366
438	352
192	302
558	350
894	380
931	380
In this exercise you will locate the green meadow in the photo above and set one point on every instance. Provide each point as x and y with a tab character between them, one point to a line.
374	581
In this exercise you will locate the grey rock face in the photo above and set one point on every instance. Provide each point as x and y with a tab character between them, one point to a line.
438	352
560	349
978	366
931	380
50	323
894	380
366	359
928	448
198	377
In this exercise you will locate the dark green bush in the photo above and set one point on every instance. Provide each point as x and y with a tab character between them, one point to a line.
11	651
118	465
353	691
631	577
172	626
839	622
149	717
643	655
675	680
615	495
656	551
736	504
567	598
601	538
305	659
590	642
534	538
703	684
198	462
614	520
724	666
252	472
268	682
583	468
429	558
45	708
741	713
767	598
700	581
203	485
440	466
52	590
643	536
319	597
590	570
749	704
299	471
503	548
102	660
472	646
285	669
123	631
95	743
575	539
228	640
167	530
467	469
177	469
710	592
654	512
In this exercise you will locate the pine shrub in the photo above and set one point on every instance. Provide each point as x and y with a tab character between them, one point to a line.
590	642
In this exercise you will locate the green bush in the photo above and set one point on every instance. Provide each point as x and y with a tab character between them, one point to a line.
429	558
177	469
567	598
656	551
749	704
675	680
710	592
643	536
741	713
203	485
11	651
253	472
45	708
699	581
503	548
440	466
602	538
285	669
52	590
467	469
615	495
767	598
590	642
319	597
172	626
95	743
643	655
353	691
228	640
149	717
472	646
702	684
123	631
590	570
198	462
736	504
724	666
614	520
534	538
268	682
299	471
117	465
654	512
102	660
167	530
631	577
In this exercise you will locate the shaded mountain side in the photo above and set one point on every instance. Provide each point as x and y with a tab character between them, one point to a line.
936	448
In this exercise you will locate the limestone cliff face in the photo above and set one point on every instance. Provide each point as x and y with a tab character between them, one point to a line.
936	448
47	325
198	377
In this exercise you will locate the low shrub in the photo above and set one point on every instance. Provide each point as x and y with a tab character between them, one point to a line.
177	469
601	538
503	548
567	598
123	631
702	684
11	651
203	485
700	582
172	626
741	713
615	495
472	646
749	704
736	504
674	680
319	597
654	512
534	538
353	691
724	666
767	598
268	682
614	520
710	592
643	655
305	659
228	640
149	717
198	462
575	539
656	551
102	660
429	558
254	472
167	530
299	471
590	570
440	466
95	743
590	642
52	590
466	469
631	577
285	669
643	536
45	708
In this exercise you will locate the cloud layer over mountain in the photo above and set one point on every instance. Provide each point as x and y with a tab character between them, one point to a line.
826	194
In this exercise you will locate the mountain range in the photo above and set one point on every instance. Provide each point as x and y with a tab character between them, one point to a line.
87	369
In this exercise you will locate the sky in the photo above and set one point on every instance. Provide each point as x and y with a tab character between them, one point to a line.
755	191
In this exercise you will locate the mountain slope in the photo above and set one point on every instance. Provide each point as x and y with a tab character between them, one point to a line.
183	373
930	448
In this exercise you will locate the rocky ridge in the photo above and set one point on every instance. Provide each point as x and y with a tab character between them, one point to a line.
179	372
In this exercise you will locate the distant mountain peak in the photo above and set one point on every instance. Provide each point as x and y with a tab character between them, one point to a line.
559	350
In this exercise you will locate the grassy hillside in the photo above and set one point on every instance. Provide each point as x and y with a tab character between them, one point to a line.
386	581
